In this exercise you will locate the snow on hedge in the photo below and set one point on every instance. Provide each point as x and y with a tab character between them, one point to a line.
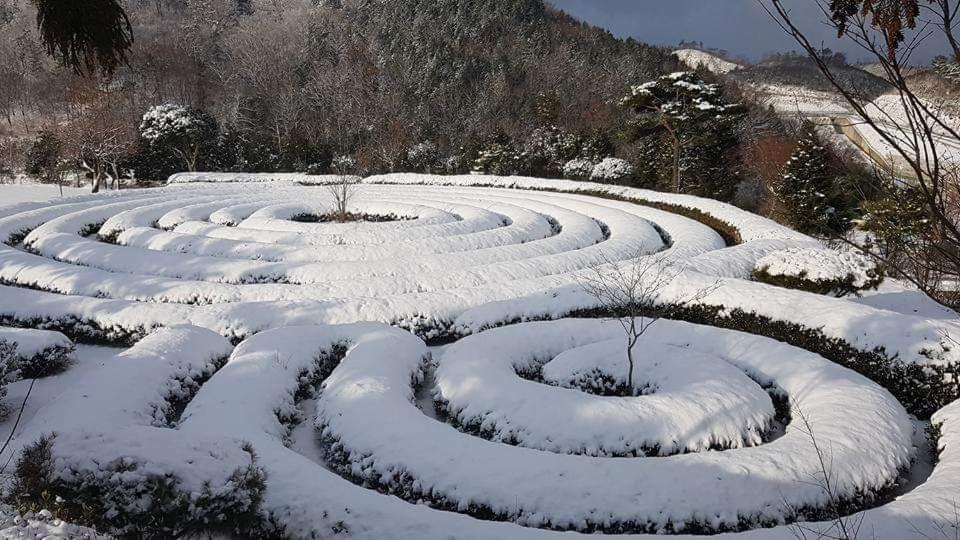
692	401
478	251
368	375
828	268
107	450
410	454
246	178
36	352
140	386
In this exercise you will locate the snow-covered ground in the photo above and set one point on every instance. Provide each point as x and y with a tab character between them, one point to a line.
19	193
248	326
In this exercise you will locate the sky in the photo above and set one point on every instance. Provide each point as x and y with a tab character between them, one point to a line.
741	27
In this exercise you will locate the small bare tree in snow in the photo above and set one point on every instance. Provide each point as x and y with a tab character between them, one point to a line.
342	191
631	290
839	527
343	188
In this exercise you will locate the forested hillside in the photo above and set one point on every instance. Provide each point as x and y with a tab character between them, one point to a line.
292	83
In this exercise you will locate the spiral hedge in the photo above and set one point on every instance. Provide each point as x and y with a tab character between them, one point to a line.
252	312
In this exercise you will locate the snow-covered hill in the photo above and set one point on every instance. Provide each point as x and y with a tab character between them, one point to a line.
694	58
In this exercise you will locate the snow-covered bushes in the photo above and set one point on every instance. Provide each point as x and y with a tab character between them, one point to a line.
547	149
612	171
138	497
42	524
39	353
409	453
578	169
343	164
498	158
424	157
821	271
8	353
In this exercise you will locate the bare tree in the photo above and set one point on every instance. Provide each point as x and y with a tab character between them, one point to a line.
944	13
98	150
840	527
919	137
342	191
631	291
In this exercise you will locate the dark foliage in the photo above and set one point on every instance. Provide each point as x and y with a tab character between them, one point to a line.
85	35
120	498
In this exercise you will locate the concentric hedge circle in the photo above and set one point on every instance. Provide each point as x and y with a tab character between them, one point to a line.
718	437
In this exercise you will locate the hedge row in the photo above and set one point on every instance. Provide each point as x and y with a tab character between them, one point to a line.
844	286
922	389
127	499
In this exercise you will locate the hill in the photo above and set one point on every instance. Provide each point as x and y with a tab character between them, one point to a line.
370	78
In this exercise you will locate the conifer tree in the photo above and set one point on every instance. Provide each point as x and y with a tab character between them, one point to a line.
804	190
689	110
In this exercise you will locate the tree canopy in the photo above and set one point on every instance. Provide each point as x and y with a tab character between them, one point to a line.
85	36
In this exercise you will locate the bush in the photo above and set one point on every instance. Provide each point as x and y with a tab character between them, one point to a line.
424	157
45	363
8	355
132	499
820	271
547	149
578	169
612	171
43	158
498	158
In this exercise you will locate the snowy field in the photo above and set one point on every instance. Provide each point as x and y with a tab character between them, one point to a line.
222	324
19	193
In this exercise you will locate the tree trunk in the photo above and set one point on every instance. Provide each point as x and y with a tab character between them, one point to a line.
948	15
676	163
630	368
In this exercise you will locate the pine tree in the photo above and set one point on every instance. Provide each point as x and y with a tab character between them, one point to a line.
43	158
804	190
689	110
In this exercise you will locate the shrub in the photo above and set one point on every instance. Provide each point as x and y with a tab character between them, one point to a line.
128	498
578	169
498	158
612	171
547	149
820	271
8	355
43	158
343	164
45	363
424	157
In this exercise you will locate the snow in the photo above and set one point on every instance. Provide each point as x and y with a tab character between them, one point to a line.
41	526
694	59
11	194
210	260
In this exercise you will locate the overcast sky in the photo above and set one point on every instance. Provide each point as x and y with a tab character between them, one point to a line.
739	26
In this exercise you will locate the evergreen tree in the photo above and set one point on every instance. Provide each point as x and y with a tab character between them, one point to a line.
689	112
186	131
43	158
804	191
